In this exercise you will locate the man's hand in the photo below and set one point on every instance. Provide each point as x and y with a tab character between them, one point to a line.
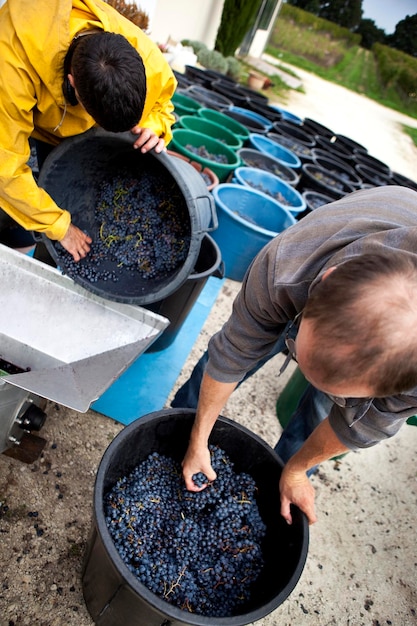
296	488
147	140
212	398
195	461
294	485
76	242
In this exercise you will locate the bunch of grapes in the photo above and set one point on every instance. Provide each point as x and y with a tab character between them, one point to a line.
141	226
200	551
268	166
205	154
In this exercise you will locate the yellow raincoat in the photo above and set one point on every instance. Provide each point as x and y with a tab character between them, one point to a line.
34	39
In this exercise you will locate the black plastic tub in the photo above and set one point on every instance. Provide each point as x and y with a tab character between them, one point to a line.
318	178
182	80
315	128
403	181
74	174
319	153
255	158
250	123
230	91
294	131
372	176
304	153
337	149
335	167
266	110
197	76
115	597
209	98
314	200
350	144
251	93
178	305
373	162
215	75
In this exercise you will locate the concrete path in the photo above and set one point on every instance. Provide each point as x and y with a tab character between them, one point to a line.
376	127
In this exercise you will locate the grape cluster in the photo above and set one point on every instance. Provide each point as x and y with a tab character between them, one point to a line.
200	551
268	166
206	178
141	226
325	179
294	146
316	200
276	195
202	152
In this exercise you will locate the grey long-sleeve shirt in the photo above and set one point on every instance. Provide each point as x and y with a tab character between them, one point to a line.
278	282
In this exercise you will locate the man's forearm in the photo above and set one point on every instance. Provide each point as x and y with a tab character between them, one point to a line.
322	445
213	396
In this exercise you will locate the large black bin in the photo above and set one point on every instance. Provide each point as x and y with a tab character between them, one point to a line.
115	597
178	305
74	174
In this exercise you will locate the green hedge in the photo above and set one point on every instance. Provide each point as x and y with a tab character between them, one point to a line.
309	20
397	70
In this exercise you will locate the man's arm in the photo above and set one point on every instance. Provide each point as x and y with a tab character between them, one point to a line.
213	397
295	486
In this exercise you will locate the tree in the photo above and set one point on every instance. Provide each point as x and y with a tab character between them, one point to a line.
370	33
237	18
404	36
312	6
346	13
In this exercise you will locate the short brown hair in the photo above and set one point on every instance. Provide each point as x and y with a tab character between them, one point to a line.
364	318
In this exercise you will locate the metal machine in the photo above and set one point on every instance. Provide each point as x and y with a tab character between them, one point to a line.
59	342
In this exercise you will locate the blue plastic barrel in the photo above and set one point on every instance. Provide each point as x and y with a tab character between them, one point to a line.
268	146
248	220
273	186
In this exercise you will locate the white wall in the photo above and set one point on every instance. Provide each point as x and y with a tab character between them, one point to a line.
184	19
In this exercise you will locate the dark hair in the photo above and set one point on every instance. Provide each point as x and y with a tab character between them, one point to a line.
364	317
110	80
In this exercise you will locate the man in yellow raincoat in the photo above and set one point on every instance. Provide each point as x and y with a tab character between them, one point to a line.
47	92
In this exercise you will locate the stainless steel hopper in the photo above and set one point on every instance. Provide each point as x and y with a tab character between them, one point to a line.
70	345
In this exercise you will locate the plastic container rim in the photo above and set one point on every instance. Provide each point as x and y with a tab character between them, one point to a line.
236	217
151	598
256	138
240	171
224	149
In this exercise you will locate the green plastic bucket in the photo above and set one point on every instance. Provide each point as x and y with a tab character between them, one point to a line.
183	138
212	129
184	105
225	121
289	398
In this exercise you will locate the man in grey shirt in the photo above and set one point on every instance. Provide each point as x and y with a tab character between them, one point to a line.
339	291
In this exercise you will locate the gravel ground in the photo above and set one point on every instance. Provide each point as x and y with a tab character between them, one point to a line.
362	561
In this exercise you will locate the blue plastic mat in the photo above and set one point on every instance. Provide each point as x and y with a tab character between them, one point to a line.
145	386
